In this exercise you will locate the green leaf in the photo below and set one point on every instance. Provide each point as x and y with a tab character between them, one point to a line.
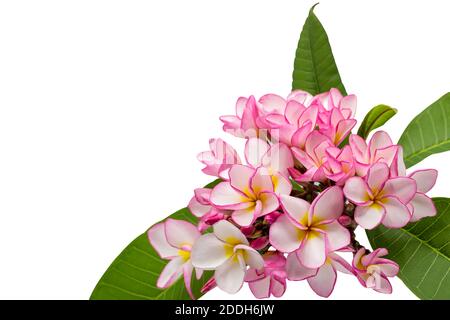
422	249
375	118
133	274
428	133
315	70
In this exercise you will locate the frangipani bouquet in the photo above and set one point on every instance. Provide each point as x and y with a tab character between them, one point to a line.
287	207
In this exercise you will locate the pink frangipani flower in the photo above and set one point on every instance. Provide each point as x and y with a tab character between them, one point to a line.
271	280
250	193
311	230
173	240
373	271
226	251
313	158
322	279
379	149
380	199
339	165
219	159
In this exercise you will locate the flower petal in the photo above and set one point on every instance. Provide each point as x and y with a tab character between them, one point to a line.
356	190
171	273
229	233
401	187
273	103
284	236
370	216
187	275
260	288
255	149
379	140
377	176
230	275
209	252
425	179
157	237
180	233
397	214
281	185
423	207
224	195
296	271
323	282
240	177
261	181
338	236
328	205
297	210
245	217
251	257
312	253
269	202
277	286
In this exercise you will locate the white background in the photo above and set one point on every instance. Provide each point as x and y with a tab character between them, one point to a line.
105	104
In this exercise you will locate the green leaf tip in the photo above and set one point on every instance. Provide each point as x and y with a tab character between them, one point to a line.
375	118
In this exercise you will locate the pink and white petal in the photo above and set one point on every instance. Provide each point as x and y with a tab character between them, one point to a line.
284	236
198	209
240	106
260	288
273	103
387	155
202	195
278	158
296	209
423	207
377	176
261	181
293	112
255	149
187	275
425	179
198	273
312	253
245	217
230	275
323	282
328	205
388	268
171	273
253	275
370	216
240	177
229	233
359	148
339	263
209	252
397	214
225	196
401	187
180	233
338	236
379	140
252	258
277	287
315	139
357	260
357	191
281	185
157	237
380	284
298	138
349	102
269	203
296	271
343	129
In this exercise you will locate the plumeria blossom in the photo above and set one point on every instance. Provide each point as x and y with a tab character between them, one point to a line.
249	193
373	271
173	240
322	279
381	199
226	251
379	149
219	159
292	208
271	280
311	230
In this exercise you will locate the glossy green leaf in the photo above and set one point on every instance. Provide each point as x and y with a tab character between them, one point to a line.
375	118
315	70
428	133
133	274
422	250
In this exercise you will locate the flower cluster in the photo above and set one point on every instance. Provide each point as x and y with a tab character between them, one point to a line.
290	210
